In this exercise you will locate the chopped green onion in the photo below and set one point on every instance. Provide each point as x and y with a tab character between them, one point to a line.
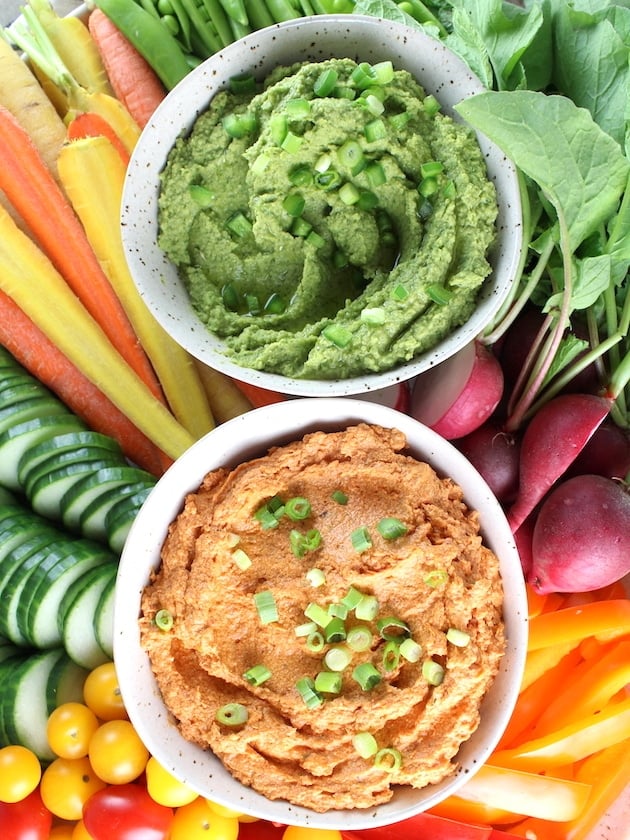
318	614
459	638
367	608
392	628
278	128
243	83
301	544
238	224
301	176
327	682
359	638
383	72
201	195
300	227
363	75
294	204
373	103
399	121
432	671
338	610
375	130
388	759
242	559
436	578
400	293
360	539
366	675
275	304
334	631
373	316
164	620
297	508
449	190
230	297
337	658
352	598
259	164
298	109
257	674
252	303
367	200
365	744
391	656
232	714
316	577
391	528
439	294
431	105
337	335
269	515
340	497
323	163
291	142
238	125
350	155
325	83
410	650
306	689
427	187
328	180
431	168
303	630
376	174
315	239
266	606
343	92
315	641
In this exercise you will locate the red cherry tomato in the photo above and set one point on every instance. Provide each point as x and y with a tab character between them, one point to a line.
28	819
126	812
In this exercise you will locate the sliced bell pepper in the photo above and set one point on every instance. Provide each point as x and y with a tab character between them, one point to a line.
423	827
602	619
541	661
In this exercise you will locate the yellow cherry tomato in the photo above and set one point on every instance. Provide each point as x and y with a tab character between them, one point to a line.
101	693
116	752
67	784
80	832
164	788
63	831
197	821
69	729
295	832
223	810
20	772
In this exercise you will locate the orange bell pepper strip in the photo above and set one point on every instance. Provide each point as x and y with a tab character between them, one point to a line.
602	619
542	661
526	794
465	810
535	601
594	683
572	743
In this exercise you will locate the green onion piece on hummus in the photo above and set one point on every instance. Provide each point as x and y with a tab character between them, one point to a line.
232	714
164	620
392	629
459	638
366	675
306	689
335	631
365	744
436	577
257	674
316	577
391	656
360	539
297	508
391	528
340	497
367	608
432	671
266	606
242	559
359	638
337	335
337	658
410	650
328	682
388	759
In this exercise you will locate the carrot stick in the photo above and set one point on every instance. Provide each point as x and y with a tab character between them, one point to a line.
30	279
37	354
22	95
226	399
93	177
93	125
600	618
34	193
455	807
259	396
133	79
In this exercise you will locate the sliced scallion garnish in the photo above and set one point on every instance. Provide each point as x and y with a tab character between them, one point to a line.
293	204
238	224
257	674
266	606
439	294
201	195
388	759
459	638
316	577
318	614
391	656
366	675
365	744
297	508
328	682
303	630
337	335
373	316
315	641
306	690
164	620
410	650
325	83
391	528
340	497
359	638
301	544
436	577
337	658
242	559
334	631
360	539
232	714
367	608
298	109
432	671
392	628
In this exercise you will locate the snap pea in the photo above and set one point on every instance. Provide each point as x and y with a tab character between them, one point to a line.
150	37
219	19
235	9
281	10
204	34
257	14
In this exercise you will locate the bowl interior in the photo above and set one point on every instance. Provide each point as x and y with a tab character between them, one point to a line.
364	39
240	439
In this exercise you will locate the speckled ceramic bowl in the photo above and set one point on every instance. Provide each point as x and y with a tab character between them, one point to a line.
437	69
241	439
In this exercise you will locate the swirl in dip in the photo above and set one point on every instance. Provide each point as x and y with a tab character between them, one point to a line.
333	620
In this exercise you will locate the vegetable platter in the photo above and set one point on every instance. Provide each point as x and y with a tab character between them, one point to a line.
89	422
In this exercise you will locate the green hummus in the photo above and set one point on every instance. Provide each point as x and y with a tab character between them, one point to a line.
330	224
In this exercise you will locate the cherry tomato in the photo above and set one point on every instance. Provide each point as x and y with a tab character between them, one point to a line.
20	772
66	786
259	830
295	832
80	832
126	812
63	831
116	752
223	811
69	729
101	693
28	819
165	788
198	821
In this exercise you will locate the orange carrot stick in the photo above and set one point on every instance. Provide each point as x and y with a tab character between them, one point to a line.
607	619
33	192
259	396
90	124
37	354
133	79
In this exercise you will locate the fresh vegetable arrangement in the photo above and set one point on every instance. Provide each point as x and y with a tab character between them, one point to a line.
95	402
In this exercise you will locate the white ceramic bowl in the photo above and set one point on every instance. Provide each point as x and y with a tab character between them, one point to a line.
238	440
366	39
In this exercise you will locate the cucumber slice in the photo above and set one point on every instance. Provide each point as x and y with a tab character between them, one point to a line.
16	441
64	442
40	621
6	498
104	618
8	650
24	702
81	495
76	616
121	517
20	391
35	407
16	550
13	380
8	668
92	518
45	494
60	460
65	684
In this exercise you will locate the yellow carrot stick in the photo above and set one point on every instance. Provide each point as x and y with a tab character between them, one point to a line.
93	174
30	279
225	397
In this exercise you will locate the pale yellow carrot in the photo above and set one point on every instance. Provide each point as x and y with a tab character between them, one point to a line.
225	397
92	173
29	278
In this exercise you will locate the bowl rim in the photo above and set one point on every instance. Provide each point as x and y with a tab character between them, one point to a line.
239	439
156	278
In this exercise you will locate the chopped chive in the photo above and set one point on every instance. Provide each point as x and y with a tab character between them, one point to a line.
449	190
325	83
318	614
300	227
314	239
343	92
375	174
252	303
383	72
388	759
259	164
410	650
298	109
328	180
360	539
238	224
306	689
365	744
428	187
257	674
352	598
340	497
243	83
201	195
301	544
362	75
350	155
266	606
373	316
241	558
359	638
338	610
368	200
301	176
303	630
267	517
315	577
327	682
334	631
297	508
164	620
366	675
293	204
431	168
391	528
337	658
238	125
337	335
391	656
456	637
399	121
373	103
278	128
392	628
439	294
432	671
291	142
436	577
275	304
323	163
431	105
367	608
232	714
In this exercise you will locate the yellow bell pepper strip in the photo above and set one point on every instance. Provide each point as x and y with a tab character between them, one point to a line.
93	174
539	662
527	794
571	743
29	278
602	619
465	810
593	685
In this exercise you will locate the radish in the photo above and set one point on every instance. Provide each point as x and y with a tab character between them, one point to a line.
606	453
552	440
581	539
459	395
495	454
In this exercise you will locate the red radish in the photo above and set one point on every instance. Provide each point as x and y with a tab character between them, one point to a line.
459	395
581	538
606	453
552	440
495	454
524	538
